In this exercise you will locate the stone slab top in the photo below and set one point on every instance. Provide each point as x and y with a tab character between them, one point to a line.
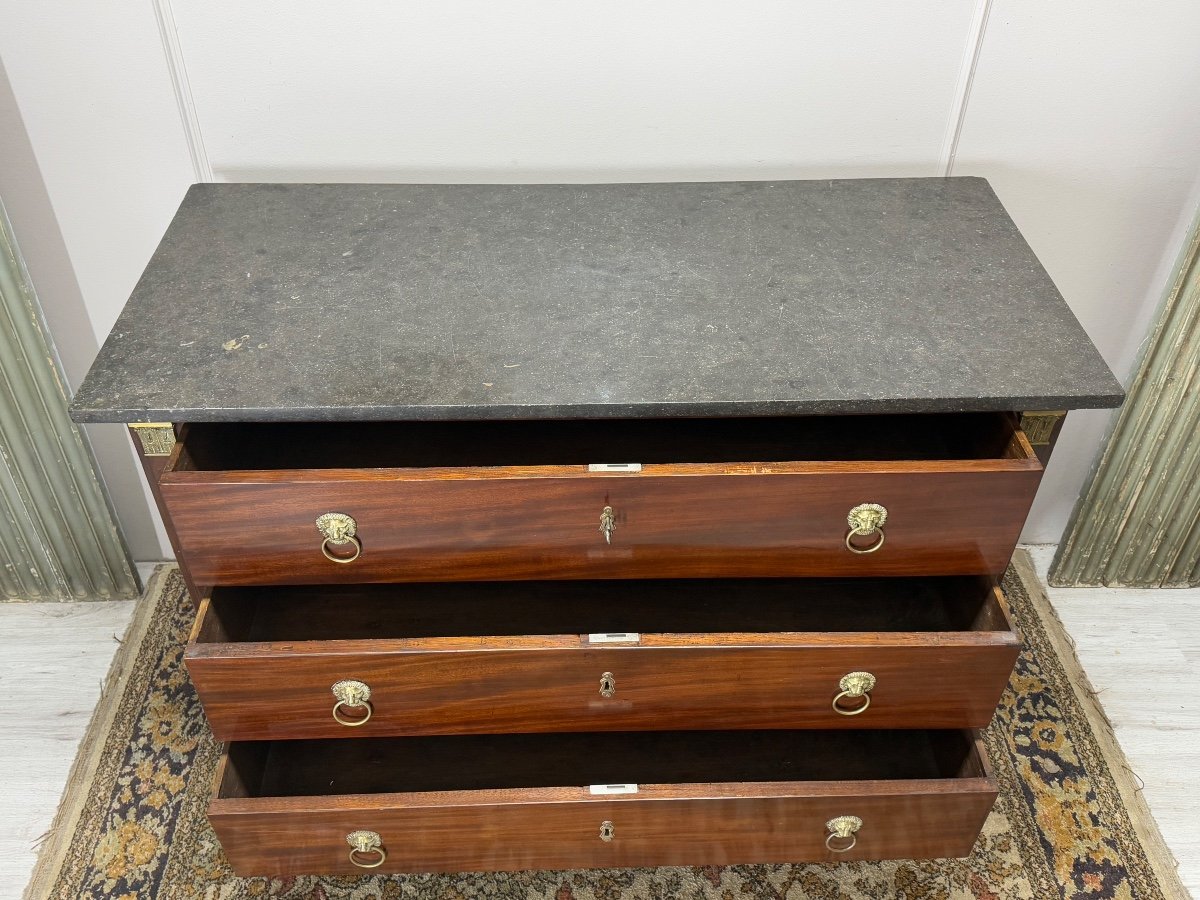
304	302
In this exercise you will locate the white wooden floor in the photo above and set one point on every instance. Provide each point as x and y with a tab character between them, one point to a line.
53	659
1141	650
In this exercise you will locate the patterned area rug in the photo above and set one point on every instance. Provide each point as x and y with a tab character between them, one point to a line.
1068	824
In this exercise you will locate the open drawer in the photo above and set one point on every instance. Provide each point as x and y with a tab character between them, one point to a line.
429	501
563	801
443	658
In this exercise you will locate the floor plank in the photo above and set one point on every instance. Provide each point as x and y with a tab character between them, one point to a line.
53	659
1141	651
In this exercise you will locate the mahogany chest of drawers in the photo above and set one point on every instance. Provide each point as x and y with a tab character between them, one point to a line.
595	525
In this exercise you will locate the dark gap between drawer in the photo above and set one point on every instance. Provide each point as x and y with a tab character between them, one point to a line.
481	762
454	609
215	446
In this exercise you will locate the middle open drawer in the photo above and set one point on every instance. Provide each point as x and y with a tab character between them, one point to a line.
486	657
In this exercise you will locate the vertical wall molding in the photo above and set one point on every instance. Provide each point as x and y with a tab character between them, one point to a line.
966	80
60	539
1138	522
177	66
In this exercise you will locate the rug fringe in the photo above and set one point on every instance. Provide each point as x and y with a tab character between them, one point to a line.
54	844
1158	854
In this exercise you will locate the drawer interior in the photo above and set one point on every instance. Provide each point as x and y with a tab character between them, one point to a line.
219	446
481	762
464	609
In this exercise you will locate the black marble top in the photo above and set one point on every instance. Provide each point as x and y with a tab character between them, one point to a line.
347	301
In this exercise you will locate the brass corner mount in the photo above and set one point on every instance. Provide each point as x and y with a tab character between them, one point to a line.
1039	424
157	438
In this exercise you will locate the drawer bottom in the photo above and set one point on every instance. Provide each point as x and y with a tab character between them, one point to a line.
511	802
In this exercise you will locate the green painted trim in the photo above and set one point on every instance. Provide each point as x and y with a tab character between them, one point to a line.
61	540
1138	522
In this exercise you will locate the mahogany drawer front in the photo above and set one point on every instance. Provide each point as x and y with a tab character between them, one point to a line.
511	802
734	515
546	656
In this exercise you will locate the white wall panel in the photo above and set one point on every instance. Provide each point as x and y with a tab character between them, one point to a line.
95	97
546	90
96	164
1085	116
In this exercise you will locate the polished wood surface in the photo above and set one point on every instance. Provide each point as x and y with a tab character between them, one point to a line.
739	518
919	794
477	658
488	713
153	467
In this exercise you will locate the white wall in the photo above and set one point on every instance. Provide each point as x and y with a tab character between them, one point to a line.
1086	117
94	164
531	89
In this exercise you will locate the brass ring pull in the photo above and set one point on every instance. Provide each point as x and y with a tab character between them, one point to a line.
342	559
840	829
363	844
865	520
352	695
338	529
863	550
854	685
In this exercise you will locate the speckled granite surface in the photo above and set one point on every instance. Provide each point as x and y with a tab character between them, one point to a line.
303	302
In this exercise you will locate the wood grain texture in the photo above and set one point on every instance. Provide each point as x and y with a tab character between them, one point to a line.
479	683
762	669
956	507
779	519
705	823
153	467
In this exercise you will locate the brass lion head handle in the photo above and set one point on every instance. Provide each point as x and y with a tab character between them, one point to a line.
865	520
842	829
366	849
854	686
338	529
352	695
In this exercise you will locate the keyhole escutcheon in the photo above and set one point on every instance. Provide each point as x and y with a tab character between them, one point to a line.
608	684
608	523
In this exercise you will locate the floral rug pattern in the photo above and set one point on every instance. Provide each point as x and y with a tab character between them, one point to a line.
1059	829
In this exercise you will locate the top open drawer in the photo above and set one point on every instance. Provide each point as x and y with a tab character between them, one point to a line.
869	495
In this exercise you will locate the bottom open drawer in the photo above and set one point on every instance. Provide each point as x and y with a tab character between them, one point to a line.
586	800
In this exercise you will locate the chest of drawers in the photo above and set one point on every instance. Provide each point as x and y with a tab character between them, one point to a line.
611	525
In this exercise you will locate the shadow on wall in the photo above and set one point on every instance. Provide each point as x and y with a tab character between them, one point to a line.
50	269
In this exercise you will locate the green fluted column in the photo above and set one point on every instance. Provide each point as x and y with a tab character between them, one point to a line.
1138	522
58	537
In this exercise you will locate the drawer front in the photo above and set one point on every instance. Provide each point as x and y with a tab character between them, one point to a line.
564	684
567	828
908	824
551	801
259	528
